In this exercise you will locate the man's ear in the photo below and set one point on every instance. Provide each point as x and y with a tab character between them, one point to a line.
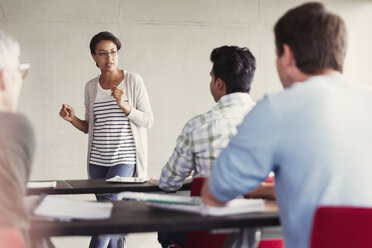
287	56
221	86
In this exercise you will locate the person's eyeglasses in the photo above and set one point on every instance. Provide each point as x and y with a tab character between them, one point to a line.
106	54
23	69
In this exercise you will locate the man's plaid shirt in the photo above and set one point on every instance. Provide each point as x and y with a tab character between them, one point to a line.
202	139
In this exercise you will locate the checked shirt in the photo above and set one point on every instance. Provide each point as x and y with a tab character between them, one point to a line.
202	139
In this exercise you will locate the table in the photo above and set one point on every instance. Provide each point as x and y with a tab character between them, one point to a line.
136	217
89	186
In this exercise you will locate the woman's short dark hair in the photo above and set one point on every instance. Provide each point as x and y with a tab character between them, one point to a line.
316	36
235	66
103	36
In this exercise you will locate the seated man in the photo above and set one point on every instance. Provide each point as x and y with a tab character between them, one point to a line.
315	135
16	141
205	135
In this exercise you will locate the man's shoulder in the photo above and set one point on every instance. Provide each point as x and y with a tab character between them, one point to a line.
203	122
16	128
14	121
18	135
201	119
195	122
219	112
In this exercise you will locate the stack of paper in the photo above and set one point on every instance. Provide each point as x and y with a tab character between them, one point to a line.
67	209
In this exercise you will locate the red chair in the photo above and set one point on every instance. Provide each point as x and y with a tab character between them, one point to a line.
11	238
342	227
196	239
270	179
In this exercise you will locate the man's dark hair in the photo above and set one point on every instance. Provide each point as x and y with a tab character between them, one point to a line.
316	36
235	66
103	36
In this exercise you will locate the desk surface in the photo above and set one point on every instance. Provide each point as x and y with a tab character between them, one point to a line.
88	186
135	217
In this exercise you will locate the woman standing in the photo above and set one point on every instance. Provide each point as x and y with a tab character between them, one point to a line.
117	114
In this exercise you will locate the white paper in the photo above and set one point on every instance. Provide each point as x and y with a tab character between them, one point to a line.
118	179
66	208
37	185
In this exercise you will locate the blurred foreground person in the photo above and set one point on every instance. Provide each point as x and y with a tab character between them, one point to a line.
16	147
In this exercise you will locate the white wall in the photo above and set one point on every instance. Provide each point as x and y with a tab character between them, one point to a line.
168	42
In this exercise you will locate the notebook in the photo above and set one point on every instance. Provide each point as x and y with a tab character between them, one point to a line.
195	204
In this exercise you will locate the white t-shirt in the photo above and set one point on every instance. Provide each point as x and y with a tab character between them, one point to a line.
113	142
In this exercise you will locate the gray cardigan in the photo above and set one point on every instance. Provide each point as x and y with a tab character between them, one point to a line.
140	117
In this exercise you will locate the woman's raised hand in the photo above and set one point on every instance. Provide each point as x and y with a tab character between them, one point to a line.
67	113
118	94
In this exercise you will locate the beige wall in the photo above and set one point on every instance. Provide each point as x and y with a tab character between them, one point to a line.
168	42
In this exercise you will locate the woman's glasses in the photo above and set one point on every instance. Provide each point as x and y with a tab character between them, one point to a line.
106	54
23	69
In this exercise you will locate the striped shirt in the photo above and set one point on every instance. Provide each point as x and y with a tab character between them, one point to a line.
202	139
113	141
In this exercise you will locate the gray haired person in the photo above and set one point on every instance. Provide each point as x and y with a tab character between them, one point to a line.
16	142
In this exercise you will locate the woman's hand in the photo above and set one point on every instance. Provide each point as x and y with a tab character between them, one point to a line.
67	113
118	94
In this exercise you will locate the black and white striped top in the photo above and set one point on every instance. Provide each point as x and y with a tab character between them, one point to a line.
113	141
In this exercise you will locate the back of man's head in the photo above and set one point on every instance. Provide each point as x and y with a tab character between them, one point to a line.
235	66
9	51
316	36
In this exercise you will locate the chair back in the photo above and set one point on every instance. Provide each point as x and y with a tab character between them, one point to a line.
196	239
342	226
196	186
